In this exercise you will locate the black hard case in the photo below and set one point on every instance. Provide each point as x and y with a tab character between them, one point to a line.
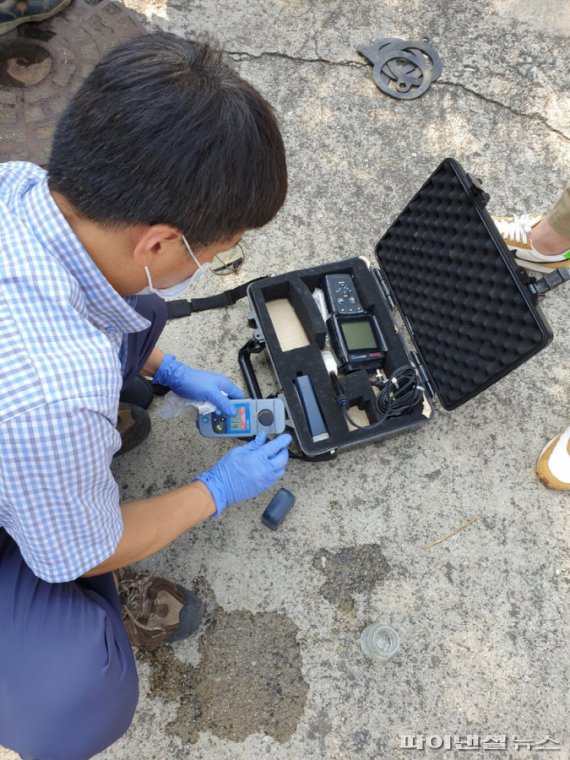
465	303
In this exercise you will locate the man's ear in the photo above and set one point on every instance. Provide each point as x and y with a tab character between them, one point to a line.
152	240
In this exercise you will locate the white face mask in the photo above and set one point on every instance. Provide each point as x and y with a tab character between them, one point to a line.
180	287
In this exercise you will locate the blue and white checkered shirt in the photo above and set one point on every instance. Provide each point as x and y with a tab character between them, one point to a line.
61	334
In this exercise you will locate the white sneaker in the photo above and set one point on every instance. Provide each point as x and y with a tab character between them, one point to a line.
515	231
553	464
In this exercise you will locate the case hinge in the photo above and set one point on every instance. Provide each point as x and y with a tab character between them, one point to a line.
423	375
384	288
549	282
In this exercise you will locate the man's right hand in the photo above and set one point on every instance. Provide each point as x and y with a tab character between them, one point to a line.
246	471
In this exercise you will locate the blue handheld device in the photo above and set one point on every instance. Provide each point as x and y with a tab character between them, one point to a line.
252	416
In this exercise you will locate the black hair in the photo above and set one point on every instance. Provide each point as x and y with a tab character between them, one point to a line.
163	131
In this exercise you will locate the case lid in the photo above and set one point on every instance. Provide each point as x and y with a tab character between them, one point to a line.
468	310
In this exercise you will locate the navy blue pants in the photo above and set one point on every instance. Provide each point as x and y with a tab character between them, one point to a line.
68	681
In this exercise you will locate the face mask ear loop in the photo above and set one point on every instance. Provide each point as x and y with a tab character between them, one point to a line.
191	252
150	285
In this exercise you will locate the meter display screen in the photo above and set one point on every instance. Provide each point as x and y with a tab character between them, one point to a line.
239	423
358	335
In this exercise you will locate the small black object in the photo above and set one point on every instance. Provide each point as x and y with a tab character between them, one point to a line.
402	69
160	390
278	509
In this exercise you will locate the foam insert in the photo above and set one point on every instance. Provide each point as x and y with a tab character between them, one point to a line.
297	287
455	282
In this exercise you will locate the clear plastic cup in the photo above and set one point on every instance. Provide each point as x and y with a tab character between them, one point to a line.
379	642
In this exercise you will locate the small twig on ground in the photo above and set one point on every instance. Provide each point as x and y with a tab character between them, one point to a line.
450	535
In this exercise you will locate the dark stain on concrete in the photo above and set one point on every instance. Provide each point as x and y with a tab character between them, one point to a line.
249	679
433	475
320	727
360	741
349	571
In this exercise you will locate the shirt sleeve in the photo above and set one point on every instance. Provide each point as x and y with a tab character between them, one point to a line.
60	501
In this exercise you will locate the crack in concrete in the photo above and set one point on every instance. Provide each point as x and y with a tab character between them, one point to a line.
242	55
295	59
532	115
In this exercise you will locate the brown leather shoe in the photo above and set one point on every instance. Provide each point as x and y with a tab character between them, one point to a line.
156	611
133	423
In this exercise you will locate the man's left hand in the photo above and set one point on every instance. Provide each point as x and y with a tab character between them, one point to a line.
198	384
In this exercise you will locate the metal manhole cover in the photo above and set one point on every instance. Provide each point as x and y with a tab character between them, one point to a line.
42	65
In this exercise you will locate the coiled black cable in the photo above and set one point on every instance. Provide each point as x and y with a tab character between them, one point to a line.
399	394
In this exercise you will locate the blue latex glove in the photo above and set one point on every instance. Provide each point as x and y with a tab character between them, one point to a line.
198	384
246	471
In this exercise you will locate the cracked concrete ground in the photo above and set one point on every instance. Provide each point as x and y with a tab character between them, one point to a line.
276	670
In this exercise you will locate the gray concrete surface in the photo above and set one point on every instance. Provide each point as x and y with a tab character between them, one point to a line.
277	671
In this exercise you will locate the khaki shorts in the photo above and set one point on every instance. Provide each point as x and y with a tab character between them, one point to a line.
559	217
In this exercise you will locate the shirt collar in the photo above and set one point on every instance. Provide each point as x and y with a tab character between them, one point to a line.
106	308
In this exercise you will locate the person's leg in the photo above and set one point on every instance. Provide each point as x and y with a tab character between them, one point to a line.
156	611
542	240
68	682
137	393
138	346
551	236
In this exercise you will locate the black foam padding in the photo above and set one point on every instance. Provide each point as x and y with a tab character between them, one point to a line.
358	390
469	311
295	290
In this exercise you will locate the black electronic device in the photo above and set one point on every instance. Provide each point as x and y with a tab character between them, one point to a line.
357	341
355	333
342	297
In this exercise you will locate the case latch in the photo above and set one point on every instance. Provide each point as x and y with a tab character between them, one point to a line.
251	319
549	282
